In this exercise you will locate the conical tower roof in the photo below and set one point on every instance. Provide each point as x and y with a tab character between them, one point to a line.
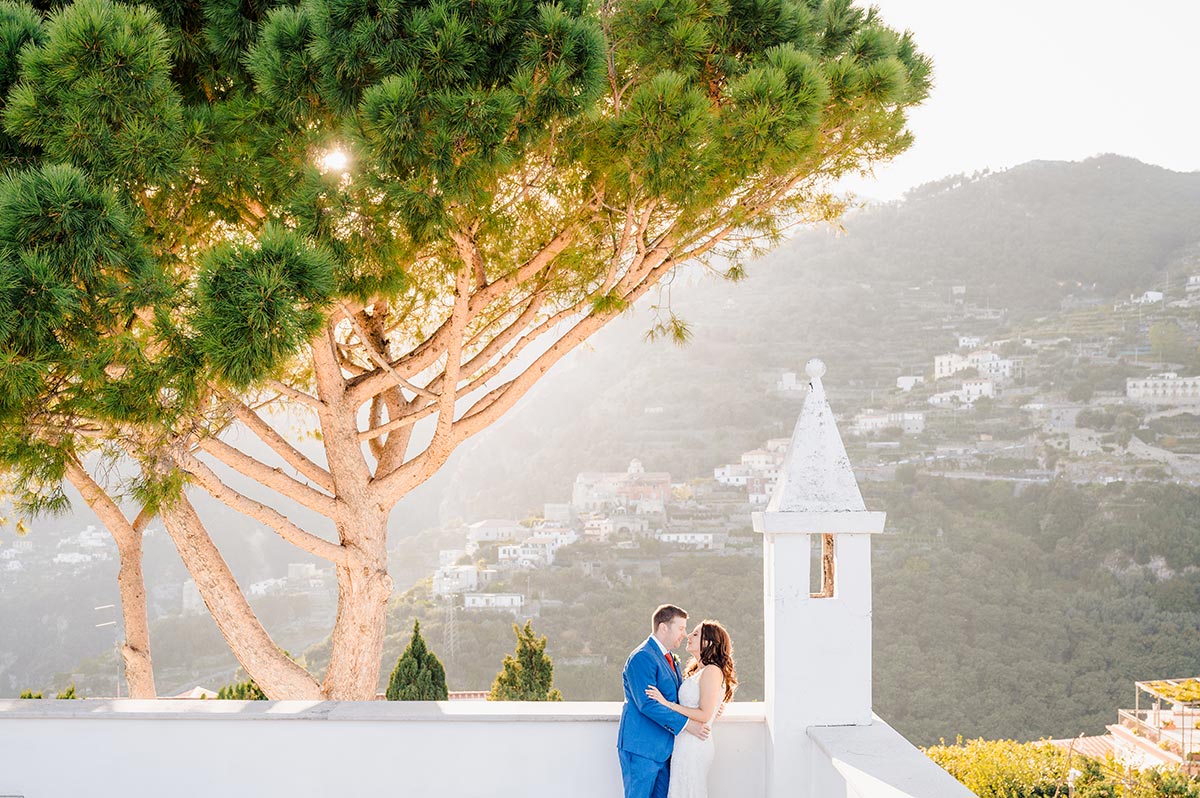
816	475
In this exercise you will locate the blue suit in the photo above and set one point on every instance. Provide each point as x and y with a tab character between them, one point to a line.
646	736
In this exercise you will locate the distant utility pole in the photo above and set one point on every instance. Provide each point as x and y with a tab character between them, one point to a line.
450	631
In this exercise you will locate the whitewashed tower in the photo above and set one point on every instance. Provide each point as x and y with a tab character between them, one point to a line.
818	643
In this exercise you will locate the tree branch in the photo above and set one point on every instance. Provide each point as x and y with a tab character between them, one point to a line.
287	529
278	676
279	444
273	478
292	393
381	360
393	486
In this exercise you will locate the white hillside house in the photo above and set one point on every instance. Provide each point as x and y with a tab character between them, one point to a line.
813	736
704	541
985	361
969	393
910	422
1167	388
451	580
507	602
494	530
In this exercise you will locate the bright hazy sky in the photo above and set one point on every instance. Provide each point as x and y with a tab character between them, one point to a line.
1048	79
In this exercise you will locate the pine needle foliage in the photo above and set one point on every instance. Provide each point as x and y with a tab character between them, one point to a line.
528	674
419	674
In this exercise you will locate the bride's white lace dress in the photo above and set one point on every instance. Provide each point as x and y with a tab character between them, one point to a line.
692	757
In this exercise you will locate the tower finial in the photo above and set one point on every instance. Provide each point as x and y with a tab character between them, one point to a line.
815	368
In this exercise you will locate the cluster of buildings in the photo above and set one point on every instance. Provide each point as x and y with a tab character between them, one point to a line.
990	368
11	555
757	471
77	552
985	361
612	508
632	491
303	578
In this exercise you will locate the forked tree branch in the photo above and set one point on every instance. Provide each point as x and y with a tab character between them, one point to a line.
285	527
279	444
265	475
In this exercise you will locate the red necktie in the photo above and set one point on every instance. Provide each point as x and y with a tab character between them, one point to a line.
671	662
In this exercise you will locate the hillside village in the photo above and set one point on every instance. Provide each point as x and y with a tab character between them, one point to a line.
996	404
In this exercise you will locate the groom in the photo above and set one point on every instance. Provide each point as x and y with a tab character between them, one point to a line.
646	736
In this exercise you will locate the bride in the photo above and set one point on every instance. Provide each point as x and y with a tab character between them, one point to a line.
709	682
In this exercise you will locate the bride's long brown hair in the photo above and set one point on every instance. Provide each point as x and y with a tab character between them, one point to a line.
715	649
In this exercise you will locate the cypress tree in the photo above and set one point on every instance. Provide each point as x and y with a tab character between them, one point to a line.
528	674
418	675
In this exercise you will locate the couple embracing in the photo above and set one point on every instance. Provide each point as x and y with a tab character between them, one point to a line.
664	742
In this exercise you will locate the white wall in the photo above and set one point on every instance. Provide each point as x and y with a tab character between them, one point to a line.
259	749
875	762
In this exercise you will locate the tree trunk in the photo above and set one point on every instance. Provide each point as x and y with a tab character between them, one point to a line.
356	654
364	586
139	670
270	668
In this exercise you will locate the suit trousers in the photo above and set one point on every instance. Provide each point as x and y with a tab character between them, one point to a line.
643	777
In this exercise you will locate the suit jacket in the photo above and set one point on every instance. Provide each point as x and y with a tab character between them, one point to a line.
647	727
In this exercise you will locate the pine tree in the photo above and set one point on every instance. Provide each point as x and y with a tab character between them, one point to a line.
242	691
383	213
418	675
528	674
68	693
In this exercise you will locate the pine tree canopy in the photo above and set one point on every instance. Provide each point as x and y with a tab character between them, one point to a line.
377	214
419	674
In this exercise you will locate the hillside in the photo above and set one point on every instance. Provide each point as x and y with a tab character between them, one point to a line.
1028	236
870	302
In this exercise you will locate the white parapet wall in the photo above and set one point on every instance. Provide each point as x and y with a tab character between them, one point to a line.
875	761
299	749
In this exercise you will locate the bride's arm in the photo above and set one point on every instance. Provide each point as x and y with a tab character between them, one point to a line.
691	713
711	681
712	690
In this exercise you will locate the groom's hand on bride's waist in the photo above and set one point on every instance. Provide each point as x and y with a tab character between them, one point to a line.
698	729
